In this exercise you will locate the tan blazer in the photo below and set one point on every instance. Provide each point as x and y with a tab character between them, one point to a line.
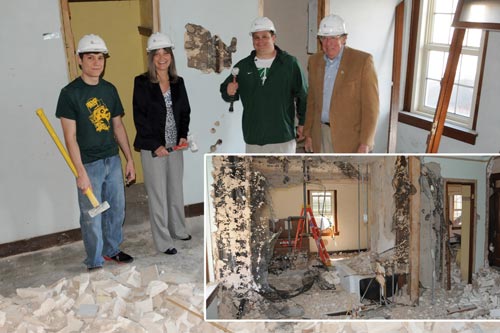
354	106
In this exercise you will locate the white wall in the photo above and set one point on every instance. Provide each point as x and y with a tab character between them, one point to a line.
38	192
370	25
227	19
453	168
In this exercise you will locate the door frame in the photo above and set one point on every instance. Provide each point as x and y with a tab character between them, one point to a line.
323	9
472	224
151	24
494	177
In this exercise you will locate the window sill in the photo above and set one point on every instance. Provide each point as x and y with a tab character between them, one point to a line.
452	131
329	233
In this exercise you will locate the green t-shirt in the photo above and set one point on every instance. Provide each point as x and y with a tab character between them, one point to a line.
92	107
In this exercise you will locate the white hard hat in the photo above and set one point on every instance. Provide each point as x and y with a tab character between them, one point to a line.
91	43
159	40
262	24
332	25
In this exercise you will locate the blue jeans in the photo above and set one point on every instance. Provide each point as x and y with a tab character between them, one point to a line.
102	235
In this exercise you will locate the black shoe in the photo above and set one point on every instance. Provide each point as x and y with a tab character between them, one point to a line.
172	250
120	257
187	238
93	269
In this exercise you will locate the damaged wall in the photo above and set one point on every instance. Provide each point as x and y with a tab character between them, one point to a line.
382	238
433	232
206	52
233	217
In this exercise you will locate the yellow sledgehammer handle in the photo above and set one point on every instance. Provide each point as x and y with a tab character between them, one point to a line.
58	143
88	192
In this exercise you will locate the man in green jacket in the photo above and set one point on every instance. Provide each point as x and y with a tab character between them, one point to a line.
273	92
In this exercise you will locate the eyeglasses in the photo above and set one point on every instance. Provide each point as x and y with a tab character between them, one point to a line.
328	38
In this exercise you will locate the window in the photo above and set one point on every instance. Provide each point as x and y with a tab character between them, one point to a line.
434	57
427	65
457	212
324	208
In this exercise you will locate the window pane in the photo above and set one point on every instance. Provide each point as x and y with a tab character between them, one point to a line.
441	32
464	101
466	70
453	100
443	6
432	88
436	65
473	38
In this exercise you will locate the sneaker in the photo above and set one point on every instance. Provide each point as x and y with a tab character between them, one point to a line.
120	257
93	269
187	238
172	250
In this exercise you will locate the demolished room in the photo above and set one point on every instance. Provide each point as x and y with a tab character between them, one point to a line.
380	237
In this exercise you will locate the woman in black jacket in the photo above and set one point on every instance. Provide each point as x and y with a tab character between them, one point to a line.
161	117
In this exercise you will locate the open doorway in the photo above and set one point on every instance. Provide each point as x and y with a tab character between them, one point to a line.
460	216
296	23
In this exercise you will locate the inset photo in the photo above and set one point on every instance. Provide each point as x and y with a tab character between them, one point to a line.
334	237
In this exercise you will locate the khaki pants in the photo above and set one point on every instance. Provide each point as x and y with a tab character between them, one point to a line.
273	148
163	180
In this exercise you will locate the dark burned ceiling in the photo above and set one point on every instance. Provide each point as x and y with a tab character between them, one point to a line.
288	170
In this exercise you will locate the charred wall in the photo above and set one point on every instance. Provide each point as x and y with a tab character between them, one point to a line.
433	226
241	253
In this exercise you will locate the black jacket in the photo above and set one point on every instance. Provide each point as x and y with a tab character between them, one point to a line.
150	112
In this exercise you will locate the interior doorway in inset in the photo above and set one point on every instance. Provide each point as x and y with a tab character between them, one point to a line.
460	216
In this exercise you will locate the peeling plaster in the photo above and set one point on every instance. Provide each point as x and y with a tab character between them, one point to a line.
207	53
434	232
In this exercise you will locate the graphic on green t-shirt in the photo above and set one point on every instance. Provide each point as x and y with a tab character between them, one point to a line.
263	74
99	114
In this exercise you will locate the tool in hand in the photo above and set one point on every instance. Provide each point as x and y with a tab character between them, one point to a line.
235	71
192	143
98	208
171	149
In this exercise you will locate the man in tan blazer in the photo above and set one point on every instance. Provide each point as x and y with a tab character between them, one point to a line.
343	101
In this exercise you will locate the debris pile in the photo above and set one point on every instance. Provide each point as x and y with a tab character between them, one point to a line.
127	301
483	293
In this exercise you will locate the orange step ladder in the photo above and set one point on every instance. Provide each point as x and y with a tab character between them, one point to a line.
316	233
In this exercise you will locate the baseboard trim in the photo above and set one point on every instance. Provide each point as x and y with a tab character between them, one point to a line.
68	236
40	243
194	210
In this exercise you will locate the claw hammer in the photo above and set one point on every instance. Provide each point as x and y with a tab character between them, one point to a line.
98	208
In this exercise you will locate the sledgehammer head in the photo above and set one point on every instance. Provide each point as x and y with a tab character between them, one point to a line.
99	209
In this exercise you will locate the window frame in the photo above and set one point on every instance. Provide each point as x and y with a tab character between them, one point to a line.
331	231
409	115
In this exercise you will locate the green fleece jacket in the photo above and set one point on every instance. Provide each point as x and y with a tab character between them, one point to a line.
269	109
